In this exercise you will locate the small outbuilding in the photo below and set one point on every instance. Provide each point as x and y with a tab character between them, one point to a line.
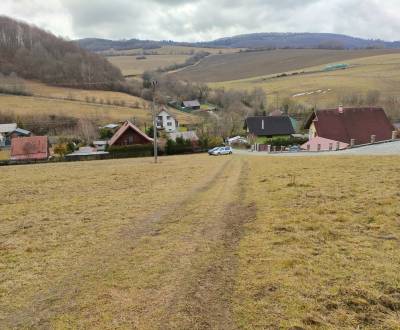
129	134
30	148
192	105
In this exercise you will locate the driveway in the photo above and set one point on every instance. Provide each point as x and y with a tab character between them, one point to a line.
389	148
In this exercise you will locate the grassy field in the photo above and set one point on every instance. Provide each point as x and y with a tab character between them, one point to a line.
255	64
173	50
256	243
50	100
102	114
379	73
168	55
40	89
130	66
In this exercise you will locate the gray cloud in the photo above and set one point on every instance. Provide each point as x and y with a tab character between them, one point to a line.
208	19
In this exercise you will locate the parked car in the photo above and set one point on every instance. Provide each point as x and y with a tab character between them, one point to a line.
222	151
210	152
294	148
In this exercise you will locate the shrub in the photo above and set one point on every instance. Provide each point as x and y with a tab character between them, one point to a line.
284	141
137	150
178	147
106	133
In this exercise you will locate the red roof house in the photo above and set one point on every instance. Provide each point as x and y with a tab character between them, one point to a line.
129	134
344	124
30	148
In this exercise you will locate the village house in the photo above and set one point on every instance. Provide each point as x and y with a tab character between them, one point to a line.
192	105
165	121
30	148
269	126
355	126
128	134
10	131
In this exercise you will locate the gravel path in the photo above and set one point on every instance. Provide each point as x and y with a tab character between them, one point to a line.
390	148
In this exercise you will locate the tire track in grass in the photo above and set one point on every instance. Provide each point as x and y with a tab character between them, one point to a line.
64	293
203	296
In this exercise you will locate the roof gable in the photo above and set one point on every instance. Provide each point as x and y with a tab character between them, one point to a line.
164	111
269	125
126	126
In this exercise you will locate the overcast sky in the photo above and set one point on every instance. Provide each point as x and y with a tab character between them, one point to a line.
198	20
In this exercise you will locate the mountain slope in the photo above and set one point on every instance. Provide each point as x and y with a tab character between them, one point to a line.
251	41
36	54
300	40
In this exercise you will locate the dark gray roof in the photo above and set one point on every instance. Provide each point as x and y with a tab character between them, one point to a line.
269	126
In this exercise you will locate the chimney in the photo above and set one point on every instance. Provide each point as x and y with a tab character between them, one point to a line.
341	109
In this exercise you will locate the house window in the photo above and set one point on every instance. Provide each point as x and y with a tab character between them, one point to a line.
168	117
169	124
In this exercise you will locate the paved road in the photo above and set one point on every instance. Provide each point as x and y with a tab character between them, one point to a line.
391	148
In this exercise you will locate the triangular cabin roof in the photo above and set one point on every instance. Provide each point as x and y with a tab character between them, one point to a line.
126	126
343	124
164	109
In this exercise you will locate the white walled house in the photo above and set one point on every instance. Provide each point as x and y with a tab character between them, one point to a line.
165	121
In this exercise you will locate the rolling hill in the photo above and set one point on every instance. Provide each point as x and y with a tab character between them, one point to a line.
380	73
252	64
299	40
101	107
252	41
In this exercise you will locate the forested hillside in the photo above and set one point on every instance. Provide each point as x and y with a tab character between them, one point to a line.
36	54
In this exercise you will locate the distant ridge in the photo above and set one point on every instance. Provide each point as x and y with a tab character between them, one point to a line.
251	41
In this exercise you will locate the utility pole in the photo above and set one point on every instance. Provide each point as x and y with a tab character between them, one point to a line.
154	85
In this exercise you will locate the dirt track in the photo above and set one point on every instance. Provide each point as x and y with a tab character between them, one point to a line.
173	269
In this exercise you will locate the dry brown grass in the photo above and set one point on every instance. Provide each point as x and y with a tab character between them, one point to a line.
175	50
167	55
322	252
40	89
49	100
256	64
130	244
130	66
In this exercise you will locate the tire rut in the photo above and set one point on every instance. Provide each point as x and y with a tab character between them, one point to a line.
65	291
204	299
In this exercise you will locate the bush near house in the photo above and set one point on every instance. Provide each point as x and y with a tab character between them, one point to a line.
209	142
178	147
138	150
281	141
